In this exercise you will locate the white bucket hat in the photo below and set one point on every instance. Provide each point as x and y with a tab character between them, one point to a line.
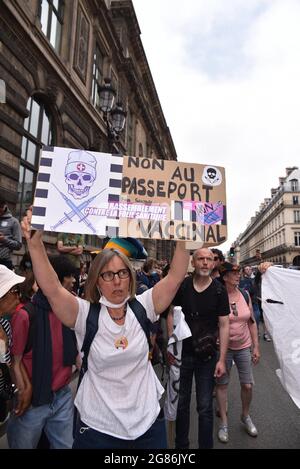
8	279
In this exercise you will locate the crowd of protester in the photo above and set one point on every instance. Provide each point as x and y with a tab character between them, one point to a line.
39	352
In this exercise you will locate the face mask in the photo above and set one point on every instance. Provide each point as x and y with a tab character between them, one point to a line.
108	304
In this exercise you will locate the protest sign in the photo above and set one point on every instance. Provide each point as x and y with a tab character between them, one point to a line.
96	193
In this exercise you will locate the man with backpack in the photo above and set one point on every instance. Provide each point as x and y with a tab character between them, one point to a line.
205	305
47	350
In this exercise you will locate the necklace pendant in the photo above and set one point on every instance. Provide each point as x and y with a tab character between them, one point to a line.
122	342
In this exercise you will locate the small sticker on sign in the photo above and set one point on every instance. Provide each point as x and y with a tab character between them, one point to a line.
211	176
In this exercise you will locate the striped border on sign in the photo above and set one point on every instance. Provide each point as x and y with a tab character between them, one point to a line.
109	225
41	191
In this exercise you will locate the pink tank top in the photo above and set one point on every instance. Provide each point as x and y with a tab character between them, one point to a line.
239	333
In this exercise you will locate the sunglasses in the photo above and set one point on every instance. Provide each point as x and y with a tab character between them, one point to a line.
13	291
234	309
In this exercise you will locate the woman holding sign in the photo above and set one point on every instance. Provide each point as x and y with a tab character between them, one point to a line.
118	398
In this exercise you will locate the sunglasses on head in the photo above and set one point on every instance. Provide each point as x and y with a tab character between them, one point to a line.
234	268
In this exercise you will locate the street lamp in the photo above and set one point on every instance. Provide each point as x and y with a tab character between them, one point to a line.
114	118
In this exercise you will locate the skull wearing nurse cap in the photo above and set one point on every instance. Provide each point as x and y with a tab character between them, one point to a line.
80	173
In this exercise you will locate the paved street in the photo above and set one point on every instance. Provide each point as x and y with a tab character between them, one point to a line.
275	415
273	412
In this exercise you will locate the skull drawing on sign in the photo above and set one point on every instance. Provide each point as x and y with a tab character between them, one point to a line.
80	173
211	176
211	173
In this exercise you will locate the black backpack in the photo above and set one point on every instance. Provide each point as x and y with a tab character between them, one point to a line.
91	330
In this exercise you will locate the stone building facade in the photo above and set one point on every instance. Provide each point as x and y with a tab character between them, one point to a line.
53	56
273	234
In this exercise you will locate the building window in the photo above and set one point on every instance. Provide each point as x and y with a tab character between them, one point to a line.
296	216
82	44
297	238
294	184
141	150
51	17
97	75
295	200
38	131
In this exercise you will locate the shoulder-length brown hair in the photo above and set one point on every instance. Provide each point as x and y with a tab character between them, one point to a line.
91	291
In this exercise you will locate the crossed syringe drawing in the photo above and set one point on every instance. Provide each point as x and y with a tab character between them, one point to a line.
76	210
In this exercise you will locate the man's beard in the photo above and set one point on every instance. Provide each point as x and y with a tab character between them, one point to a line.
204	274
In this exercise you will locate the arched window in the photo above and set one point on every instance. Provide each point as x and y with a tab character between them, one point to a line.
141	150
38	131
296	261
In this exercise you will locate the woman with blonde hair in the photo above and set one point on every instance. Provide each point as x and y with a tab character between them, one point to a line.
118	398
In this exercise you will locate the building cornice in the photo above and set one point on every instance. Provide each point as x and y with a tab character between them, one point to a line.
124	10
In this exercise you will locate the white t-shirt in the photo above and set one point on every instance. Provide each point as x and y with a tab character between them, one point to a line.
119	394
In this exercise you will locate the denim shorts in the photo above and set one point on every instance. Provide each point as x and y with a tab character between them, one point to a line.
243	361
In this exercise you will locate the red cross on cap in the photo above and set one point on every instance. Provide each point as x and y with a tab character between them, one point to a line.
81	167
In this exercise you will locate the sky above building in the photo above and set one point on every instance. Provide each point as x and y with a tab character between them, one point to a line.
227	73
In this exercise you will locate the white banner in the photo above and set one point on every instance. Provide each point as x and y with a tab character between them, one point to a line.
181	332
281	307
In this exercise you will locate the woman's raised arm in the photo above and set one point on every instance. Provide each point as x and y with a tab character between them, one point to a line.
63	303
